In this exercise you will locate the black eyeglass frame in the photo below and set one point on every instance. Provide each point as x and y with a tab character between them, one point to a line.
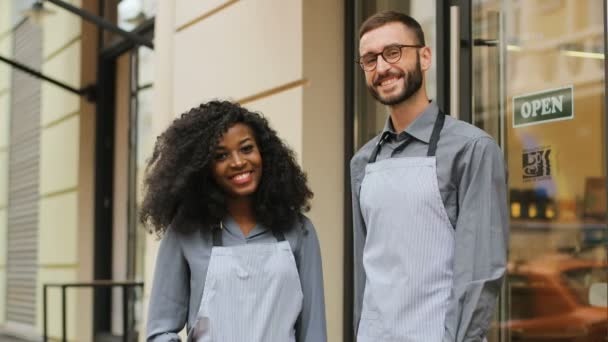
400	46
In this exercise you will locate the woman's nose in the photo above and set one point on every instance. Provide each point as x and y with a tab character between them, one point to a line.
237	160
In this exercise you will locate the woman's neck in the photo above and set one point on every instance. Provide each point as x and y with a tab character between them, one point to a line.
241	210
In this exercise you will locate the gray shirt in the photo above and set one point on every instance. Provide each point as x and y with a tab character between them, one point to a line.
471	176
181	268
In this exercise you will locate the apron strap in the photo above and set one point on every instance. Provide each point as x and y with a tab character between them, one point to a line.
432	143
435	135
217	235
278	235
372	158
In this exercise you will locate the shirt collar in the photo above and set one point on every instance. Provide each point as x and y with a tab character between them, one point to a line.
422	127
233	228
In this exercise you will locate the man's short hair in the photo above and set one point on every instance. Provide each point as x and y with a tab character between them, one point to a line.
382	18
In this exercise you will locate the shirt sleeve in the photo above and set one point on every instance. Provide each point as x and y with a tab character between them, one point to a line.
481	241
359	276
168	308
311	325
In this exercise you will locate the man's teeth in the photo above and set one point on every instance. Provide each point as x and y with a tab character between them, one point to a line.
389	81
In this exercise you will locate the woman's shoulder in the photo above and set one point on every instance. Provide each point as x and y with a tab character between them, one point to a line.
189	234
299	231
300	224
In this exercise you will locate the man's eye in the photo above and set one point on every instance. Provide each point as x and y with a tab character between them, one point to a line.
368	59
391	53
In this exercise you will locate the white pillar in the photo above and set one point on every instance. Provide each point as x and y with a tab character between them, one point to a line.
164	31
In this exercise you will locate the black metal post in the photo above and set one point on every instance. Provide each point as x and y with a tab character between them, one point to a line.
102	23
44	308
125	313
349	131
64	321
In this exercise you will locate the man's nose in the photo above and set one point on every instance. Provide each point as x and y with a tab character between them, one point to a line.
381	64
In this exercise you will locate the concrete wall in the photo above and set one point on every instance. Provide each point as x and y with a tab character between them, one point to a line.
284	59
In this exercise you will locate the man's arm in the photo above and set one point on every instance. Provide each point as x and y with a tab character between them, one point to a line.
481	241
358	244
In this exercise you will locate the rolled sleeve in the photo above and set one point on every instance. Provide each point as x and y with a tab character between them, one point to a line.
481	241
168	309
311	325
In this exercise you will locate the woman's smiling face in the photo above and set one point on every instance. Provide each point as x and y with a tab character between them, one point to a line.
237	164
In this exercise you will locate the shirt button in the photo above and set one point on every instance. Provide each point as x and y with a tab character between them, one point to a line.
242	274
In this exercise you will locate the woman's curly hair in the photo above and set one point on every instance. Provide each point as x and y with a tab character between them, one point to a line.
178	185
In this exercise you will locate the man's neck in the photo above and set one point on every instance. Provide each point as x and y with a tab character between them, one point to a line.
404	113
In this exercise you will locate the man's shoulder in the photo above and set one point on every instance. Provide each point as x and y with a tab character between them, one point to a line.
459	133
362	156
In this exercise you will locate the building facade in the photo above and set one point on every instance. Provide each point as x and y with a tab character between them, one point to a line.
532	73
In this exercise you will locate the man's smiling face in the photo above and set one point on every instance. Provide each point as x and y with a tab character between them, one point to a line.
392	83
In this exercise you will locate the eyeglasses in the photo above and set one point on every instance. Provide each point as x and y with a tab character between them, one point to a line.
391	54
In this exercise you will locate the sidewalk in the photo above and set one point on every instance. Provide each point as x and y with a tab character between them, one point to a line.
5	338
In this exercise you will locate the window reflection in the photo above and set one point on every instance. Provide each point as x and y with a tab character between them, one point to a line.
557	176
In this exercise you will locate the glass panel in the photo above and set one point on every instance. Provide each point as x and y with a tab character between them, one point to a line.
141	145
540	92
370	115
132	13
127	14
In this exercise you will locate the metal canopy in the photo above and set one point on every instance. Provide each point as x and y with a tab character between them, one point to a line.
137	37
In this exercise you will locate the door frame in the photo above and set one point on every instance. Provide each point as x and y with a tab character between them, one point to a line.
104	169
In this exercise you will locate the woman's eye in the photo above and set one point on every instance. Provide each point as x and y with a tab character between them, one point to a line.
247	148
221	156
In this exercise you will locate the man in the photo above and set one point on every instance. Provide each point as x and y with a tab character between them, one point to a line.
429	204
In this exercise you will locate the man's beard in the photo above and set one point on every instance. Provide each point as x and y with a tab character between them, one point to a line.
413	82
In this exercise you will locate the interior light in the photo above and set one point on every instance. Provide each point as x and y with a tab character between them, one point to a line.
583	54
532	212
515	209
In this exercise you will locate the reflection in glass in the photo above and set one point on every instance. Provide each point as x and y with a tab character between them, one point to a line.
557	176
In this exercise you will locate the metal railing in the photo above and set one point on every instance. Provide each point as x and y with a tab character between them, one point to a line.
125	285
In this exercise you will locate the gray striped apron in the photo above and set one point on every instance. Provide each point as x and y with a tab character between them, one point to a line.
252	294
409	249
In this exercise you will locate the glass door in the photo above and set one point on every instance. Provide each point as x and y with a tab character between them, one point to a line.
538	86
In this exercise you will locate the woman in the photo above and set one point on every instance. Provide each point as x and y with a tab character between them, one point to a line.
238	261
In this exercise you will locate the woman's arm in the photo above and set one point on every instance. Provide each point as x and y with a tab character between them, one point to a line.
311	325
168	309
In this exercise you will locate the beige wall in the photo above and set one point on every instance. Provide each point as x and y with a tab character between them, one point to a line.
59	169
5	79
163	104
323	143
284	59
